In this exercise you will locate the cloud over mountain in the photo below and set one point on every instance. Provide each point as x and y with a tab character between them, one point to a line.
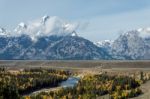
44	26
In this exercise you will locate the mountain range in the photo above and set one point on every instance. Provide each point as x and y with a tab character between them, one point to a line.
47	38
50	38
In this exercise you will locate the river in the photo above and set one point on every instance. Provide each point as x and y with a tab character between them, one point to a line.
70	82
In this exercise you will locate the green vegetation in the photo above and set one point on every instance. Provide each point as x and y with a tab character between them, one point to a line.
94	86
18	84
14	84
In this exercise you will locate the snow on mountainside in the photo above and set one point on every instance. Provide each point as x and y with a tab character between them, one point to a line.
129	46
47	38
133	44
54	38
50	47
105	43
2	31
144	32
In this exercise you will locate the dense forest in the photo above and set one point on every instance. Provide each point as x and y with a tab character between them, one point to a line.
19	85
15	84
92	87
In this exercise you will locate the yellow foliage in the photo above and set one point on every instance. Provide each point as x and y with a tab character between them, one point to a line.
44	97
124	94
64	97
79	97
118	88
27	97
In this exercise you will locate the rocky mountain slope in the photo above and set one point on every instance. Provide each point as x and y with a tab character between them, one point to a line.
53	38
133	44
47	38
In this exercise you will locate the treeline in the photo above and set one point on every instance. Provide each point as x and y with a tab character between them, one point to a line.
92	87
14	85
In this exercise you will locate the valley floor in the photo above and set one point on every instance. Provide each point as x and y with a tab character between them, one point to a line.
82	68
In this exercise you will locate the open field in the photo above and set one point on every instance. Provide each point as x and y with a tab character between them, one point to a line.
80	66
77	63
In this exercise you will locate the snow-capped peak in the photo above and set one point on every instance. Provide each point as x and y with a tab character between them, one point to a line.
22	24
20	28
45	18
44	26
144	32
2	32
74	33
140	29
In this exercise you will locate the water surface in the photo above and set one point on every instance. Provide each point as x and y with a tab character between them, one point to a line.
70	82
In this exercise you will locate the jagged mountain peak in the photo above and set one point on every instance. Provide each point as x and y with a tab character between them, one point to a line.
48	38
46	26
131	45
2	30
22	24
45	18
134	44
50	47
54	38
74	33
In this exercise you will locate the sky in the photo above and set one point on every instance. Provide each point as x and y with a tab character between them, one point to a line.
98	19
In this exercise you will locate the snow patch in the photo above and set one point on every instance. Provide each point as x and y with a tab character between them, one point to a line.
104	43
144	32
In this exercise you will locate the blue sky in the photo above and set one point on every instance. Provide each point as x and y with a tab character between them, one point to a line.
99	19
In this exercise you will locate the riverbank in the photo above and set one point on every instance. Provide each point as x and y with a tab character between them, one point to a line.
69	83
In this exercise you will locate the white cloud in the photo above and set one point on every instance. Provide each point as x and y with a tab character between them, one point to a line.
51	26
110	26
70	27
